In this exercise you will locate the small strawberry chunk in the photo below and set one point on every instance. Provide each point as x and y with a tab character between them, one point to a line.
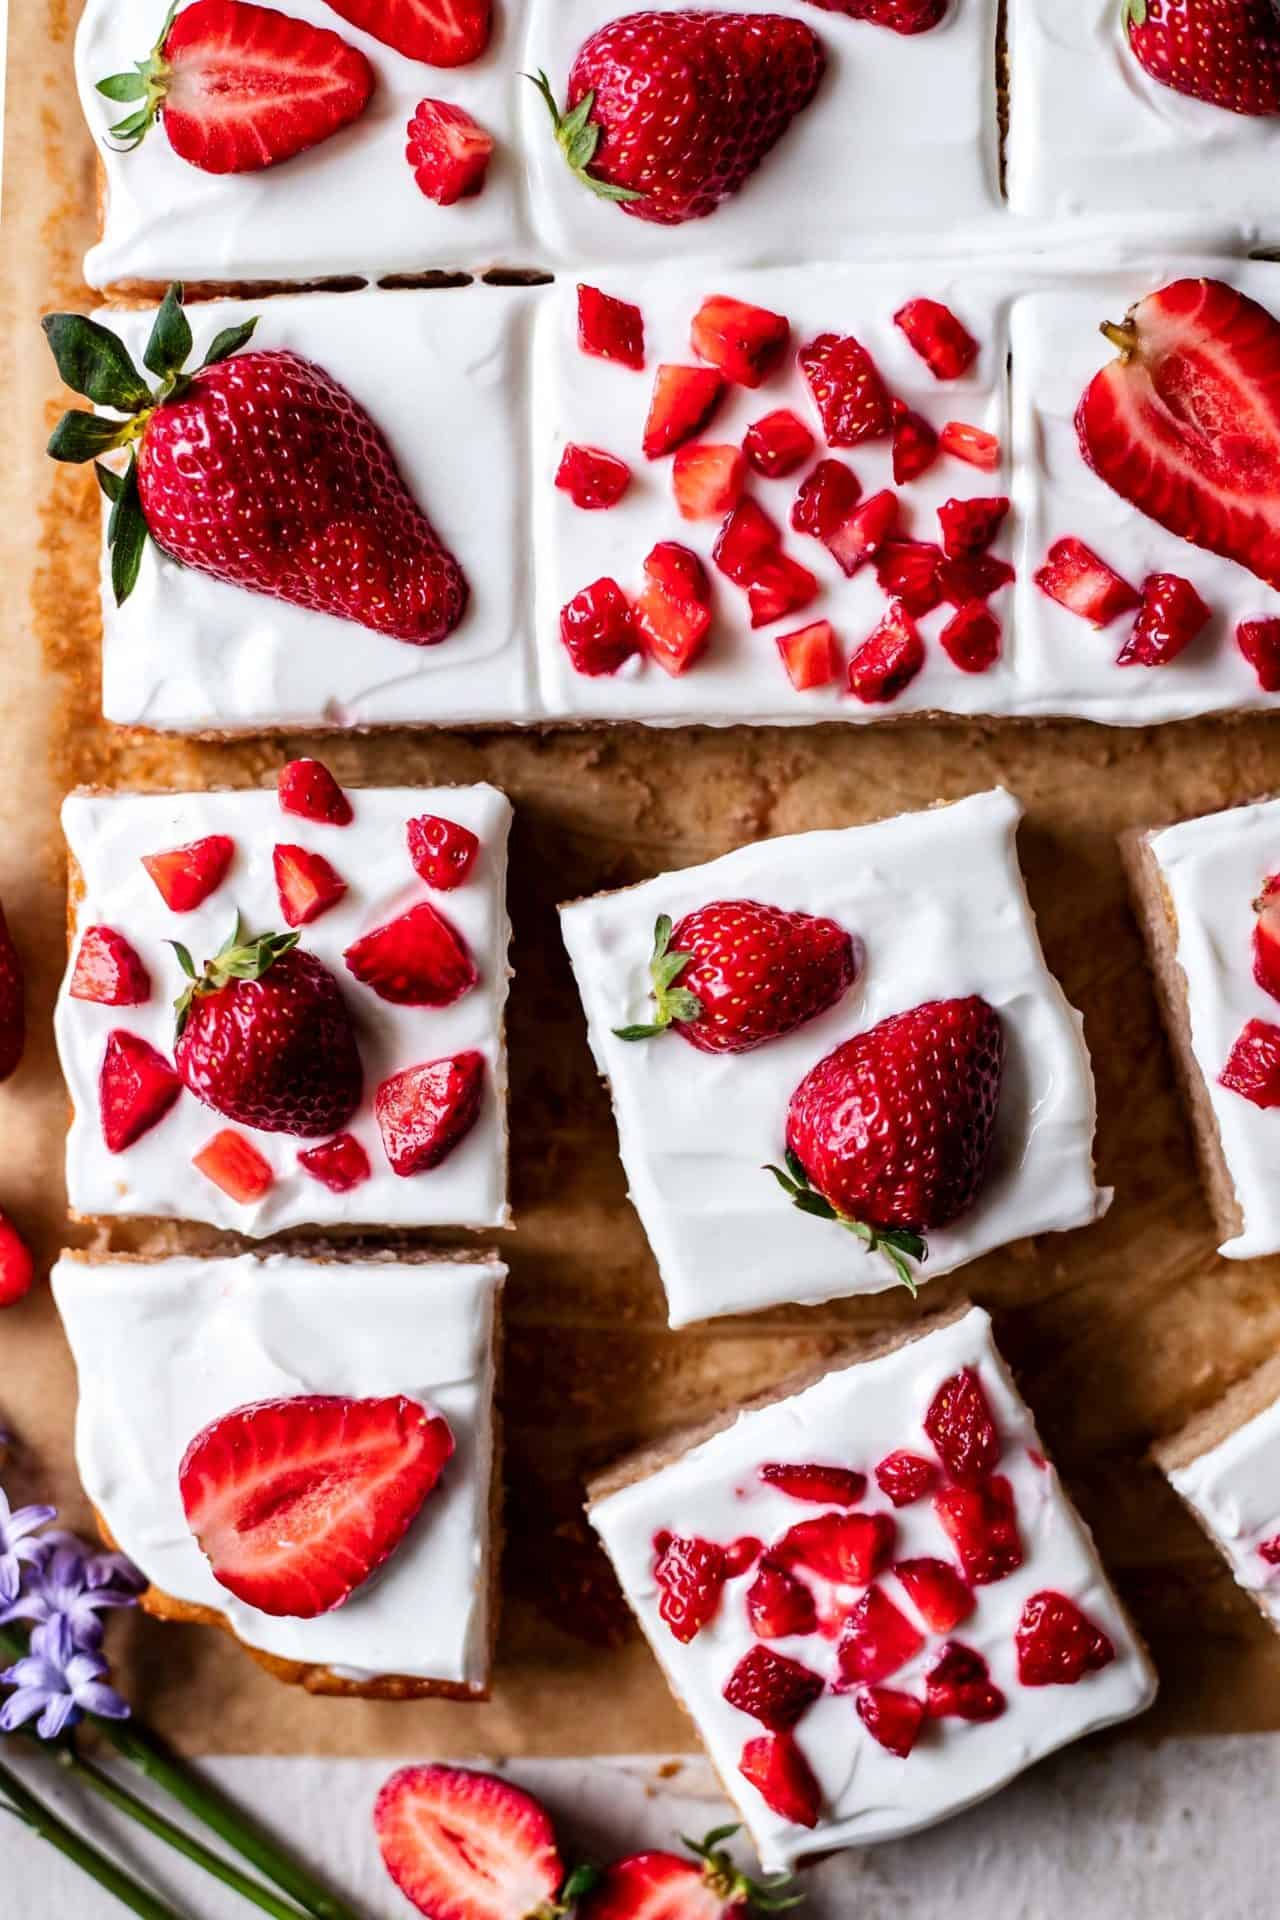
1269	1552
747	538
1259	642
848	1548
969	526
941	1597
777	444
707	480
809	655
109	971
306	884
186	876
945	345
307	788
958	1686
741	1555
611	329
684	399
982	1525
1169	619
772	1689
974	445
426	1111
17	1268
905	1478
971	638
443	852
597	628
962	1428
467	1845
827	496
888	659
783	1778
416	960
915	444
778	1604
234	1164
448	151
592	478
1057	1645
339	1164
136	1088
908	571
851	398
673	614
1266	937
828	1486
746	343
862	534
1078	580
877	1639
689	1574
779	586
892	1718
1253	1065
976	577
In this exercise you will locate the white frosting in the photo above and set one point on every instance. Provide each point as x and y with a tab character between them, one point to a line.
855	1416
437	374
108	834
1214	868
1235	1490
164	1348
938	902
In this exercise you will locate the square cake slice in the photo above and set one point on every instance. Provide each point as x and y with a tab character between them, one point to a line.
871	1593
360	1079
1207	896
373	1373
896	962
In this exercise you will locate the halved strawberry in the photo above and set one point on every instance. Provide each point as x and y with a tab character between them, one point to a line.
778	1604
851	398
962	1427
1078	580
597	628
774	1690
467	1846
782	1777
707	480
778	587
827	1486
673	614
848	1548
306	884
307	788
974	445
611	329
975	576
415	960
944	343
1057	1644
941	1597
295	1501
17	1268
1259	642
876	1640
684	399
745	342
689	1574
664	1886
908	572
339	1164
442	851
862	533
136	1088
441	33
186	876
1266	937
888	659
905	1478
890	1717
592	478
1253	1065
971	638
109	971
810	656
777	443
234	1164
969	526
747	538
958	1686
426	1111
448	151
1169	619
915	444
827	496
982	1524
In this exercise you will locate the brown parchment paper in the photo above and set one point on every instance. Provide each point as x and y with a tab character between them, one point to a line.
1120	1332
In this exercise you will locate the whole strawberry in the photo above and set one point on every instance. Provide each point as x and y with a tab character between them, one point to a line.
13	1018
668	113
1226	52
263	1037
256	468
735	974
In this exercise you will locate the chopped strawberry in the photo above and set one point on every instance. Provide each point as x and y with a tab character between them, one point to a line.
975	577
689	1574
609	328
1078	580
186	876
426	1111
962	1428
684	399
306	884
17	1268
782	1777
969	526
891	1717
899	16
908	571
467	1846
747	538
850	395
772	1689
597	628
877	1639
296	1501
849	1548
941	1597
746	343
777	444
442	33
888	659
974	445
13	1003
234	1164
448	152
339	1164
591	477
982	1525
828	1486
136	1088
1253	1065
109	971
915	444
741	1555
1169	619
1269	1552
673	614
810	655
827	496
958	1686
905	1478
415	960
443	852
1259	642
307	788
778	1604
944	343
1266	937
707	480
779	586
862	534
1057	1644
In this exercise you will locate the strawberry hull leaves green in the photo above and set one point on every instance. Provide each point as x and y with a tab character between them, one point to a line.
578	136
674	1003
897	1244
147	81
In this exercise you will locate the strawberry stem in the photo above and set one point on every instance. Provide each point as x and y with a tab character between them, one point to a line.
147	81
578	137
897	1244
673	1002
1124	336
725	1879
236	959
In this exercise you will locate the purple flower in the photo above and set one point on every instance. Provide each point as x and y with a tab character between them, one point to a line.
66	1581
56	1684
17	1544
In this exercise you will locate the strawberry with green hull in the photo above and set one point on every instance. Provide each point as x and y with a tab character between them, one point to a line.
255	468
1225	52
657	1885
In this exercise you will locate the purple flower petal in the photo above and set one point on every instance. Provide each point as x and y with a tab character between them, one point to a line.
20	1707
97	1697
61	1712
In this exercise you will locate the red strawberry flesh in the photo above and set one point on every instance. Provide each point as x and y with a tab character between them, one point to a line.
1224	52
592	478
306	884
424	1113
448	151
136	1088
941	1597
777	444
684	399
108	970
1057	1644
442	851
971	638
339	1164
905	1477
776	1768
17	1268
597	628
847	1548
962	1428
774	1690
1078	580
1266	937
982	1525
746	343
944	343
186	876
416	960
778	1604
810	656
891	1717
877	1640
707	480
852	400
610	328
1253	1065
307	788
827	496
234	1164
958	1686
829	1486
1172	614
1259	642
462	1845
689	1574
888	660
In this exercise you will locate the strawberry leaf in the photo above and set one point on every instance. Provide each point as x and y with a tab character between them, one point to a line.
170	343
897	1244
110	481
578	136
229	341
123	86
674	1003
92	361
126	536
81	436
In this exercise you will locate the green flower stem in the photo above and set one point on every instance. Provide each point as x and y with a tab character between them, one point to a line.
16	1798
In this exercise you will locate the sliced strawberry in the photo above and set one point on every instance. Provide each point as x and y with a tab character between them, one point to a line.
905	1478
684	399
982	1524
1078	580
415	960
975	577
958	1686
915	444
610	329
307	788
941	1597
888	659
969	526
1259	642
827	1486
810	655
944	343
441	33
467	1846
827	496
850	396
971	638
707	480
109	971
877	1639
597	628
780	586
689	1574
295	1502
777	444
426	1111
17	1268
673	614
1269	1552
780	1774
862	534
234	1164
890	1717
908	571
772	1689
339	1164
1266	937
778	1604
1169	619
1253	1065
136	1088
974	445
186	876
747	538
592	478
448	152
746	343
848	1548
306	884
962	1428
442	851
1057	1644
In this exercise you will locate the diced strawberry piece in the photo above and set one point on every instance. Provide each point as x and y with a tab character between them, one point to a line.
905	1477
778	1604
611	329
971	638
17	1268
339	1164
415	960
597	628
1078	580
1169	619
877	1639
467	1845
828	1486
976	577
747	538
746	343
306	884
1269	1552
941	1597
969	526
958	1686
1259	642
850	395
908	571
307	788
1057	1644
974	445
827	496
741	1555
945	345
707	480
772	1689
591	477
782	1777
234	1164
779	586
777	444
109	971
442	851
136	1087
689	1574
186	876
891	1717
1253	1065
982	1525
962	1428
862	534
673	614
849	1548
426	1111
1266	937
809	655
915	444
448	151
684	399
888	659
296	1501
